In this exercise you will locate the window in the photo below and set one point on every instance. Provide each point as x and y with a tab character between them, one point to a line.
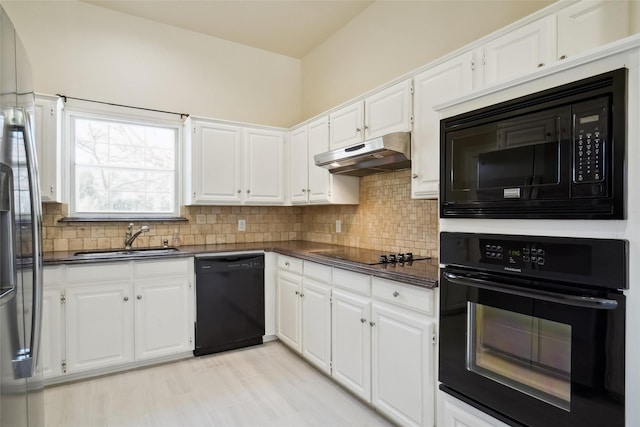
123	167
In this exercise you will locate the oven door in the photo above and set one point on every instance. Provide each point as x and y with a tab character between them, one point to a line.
530	355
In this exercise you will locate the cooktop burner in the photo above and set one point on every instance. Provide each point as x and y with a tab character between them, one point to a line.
371	257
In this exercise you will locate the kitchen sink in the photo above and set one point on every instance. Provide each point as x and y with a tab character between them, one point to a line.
143	252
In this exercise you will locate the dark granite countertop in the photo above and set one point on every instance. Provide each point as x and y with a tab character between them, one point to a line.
423	273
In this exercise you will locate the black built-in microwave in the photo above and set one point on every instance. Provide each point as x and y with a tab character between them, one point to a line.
559	153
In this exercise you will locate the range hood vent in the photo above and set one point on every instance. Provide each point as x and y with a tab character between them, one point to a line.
384	154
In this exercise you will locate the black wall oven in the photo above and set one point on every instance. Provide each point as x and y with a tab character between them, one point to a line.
532	328
553	154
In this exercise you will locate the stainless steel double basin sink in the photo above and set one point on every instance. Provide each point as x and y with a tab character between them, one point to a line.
134	253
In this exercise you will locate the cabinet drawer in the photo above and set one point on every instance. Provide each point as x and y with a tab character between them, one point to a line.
355	282
287	263
103	272
169	267
319	272
413	297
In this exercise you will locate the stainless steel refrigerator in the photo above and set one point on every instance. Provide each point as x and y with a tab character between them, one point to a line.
21	383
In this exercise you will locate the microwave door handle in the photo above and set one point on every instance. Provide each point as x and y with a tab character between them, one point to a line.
564	299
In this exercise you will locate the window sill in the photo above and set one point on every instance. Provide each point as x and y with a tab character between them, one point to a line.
123	219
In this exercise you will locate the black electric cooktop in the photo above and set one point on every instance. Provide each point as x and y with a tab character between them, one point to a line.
371	257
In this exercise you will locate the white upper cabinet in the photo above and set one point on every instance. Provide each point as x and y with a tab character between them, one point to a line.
234	164
517	53
588	24
310	183
347	125
387	111
445	81
216	163
264	166
298	156
48	140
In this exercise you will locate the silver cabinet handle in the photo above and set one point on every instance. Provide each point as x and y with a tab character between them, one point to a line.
363	320
372	324
396	294
51	189
126	299
139	297
414	176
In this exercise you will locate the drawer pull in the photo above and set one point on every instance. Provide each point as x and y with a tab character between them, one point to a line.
139	297
287	263
363	320
126	299
372	324
297	292
396	294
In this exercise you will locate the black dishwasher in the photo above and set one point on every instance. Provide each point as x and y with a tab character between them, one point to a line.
229	302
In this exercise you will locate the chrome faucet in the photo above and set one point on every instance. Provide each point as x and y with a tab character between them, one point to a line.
130	236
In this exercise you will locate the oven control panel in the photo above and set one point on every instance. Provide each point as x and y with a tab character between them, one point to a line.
598	262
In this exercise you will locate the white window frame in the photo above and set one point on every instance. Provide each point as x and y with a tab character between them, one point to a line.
128	116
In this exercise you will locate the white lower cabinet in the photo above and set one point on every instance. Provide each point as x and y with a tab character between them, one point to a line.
402	365
289	310
303	320
162	317
351	342
316	323
51	341
99	326
101	316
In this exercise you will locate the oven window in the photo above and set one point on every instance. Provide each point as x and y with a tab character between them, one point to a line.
526	353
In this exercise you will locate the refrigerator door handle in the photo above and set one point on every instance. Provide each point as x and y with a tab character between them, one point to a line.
36	218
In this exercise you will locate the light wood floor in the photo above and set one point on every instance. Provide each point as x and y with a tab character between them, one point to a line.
260	386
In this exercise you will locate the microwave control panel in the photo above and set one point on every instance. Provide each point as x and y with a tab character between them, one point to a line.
590	147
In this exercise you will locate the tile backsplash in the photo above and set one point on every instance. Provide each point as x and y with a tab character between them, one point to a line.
387	219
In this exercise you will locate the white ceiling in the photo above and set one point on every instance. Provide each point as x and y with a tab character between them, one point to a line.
288	27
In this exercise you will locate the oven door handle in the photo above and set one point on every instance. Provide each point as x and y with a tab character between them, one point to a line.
564	299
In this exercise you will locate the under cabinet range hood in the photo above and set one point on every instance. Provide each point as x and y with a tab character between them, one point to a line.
383	154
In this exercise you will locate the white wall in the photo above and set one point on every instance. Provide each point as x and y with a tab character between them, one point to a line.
86	51
392	38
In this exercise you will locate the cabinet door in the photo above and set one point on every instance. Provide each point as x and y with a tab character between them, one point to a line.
51	341
346	125
388	111
289	310
264	166
316	323
519	52
351	342
319	178
216	163
445	81
299	155
99	326
162	322
403	365
47	135
588	24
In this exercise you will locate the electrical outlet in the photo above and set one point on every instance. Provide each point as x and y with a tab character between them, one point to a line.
242	225
338	226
